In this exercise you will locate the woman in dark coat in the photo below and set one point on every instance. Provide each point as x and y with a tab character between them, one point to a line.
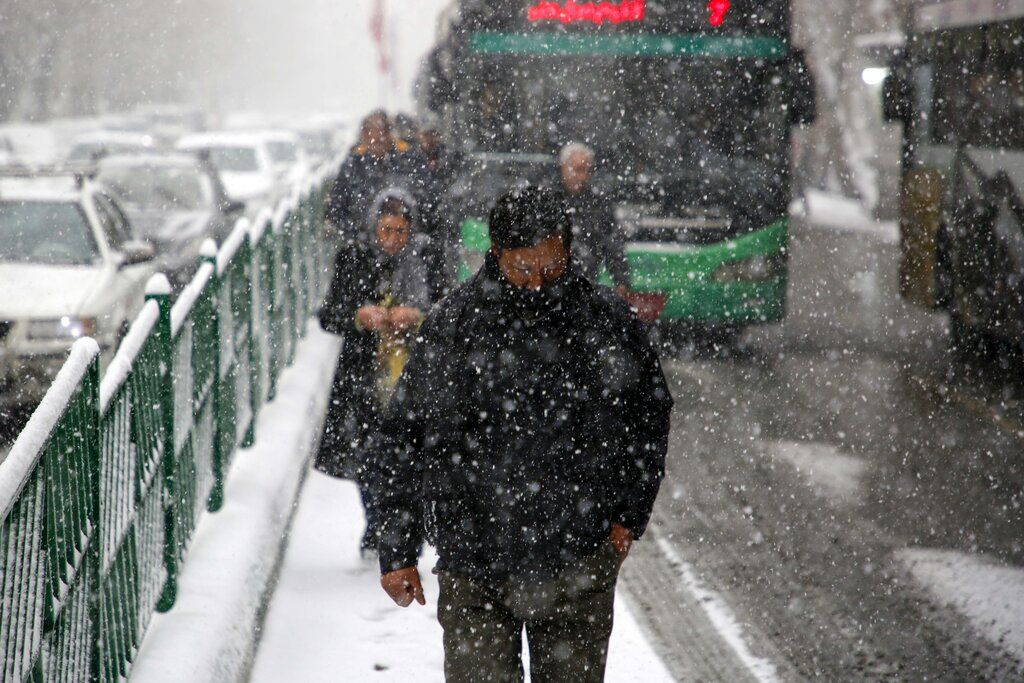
377	298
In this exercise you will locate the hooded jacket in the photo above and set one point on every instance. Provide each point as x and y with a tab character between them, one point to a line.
524	426
364	276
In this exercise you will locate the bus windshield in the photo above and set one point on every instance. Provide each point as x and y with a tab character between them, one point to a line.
693	130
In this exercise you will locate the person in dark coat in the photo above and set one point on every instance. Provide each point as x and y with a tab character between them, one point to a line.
597	238
440	167
378	161
377	299
526	441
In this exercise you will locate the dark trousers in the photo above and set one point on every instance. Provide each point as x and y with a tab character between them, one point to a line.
568	621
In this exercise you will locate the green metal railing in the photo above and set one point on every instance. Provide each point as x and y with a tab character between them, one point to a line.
102	492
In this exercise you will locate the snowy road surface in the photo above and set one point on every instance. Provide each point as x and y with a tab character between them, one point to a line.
330	621
844	488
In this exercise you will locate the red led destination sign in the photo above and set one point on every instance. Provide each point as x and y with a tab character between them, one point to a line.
596	12
718	9
572	12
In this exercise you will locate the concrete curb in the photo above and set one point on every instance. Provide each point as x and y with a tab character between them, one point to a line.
212	631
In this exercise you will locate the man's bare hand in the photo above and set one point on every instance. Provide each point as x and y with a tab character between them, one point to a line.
622	539
372	318
403	585
403	318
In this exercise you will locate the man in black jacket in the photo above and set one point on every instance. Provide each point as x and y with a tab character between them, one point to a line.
527	437
597	239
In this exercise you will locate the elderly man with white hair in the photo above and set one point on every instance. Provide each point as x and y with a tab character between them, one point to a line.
597	239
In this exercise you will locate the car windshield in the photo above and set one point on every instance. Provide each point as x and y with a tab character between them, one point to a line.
49	233
160	188
235	159
283	152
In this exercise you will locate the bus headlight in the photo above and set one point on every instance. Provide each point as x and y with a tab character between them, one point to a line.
67	328
760	268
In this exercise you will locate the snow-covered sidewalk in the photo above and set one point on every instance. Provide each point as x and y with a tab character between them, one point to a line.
209	635
330	621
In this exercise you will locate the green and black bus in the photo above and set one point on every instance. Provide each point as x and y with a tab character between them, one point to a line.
690	116
959	91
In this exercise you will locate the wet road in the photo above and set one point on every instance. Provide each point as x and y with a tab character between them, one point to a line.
844	496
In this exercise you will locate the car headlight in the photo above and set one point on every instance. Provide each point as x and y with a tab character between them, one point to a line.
760	268
67	328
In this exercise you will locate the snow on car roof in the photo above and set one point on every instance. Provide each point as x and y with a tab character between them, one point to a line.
223	139
131	160
61	188
278	135
118	137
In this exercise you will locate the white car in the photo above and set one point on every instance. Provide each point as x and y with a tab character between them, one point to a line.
69	268
287	154
243	160
87	148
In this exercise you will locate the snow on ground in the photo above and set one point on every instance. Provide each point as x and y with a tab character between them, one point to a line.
329	620
209	635
823	209
989	594
830	472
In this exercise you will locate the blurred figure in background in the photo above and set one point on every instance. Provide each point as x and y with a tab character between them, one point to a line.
405	128
376	301
377	161
440	166
597	239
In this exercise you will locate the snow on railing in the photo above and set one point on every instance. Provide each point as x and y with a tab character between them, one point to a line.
24	455
123	362
188	297
232	244
259	225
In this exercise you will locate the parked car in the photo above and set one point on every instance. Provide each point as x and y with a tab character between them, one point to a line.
290	160
88	148
174	202
70	267
243	161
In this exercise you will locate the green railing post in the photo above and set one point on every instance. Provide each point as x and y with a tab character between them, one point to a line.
159	290
208	254
251	274
90	433
273	262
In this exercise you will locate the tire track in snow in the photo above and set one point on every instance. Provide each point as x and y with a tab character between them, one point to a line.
718	613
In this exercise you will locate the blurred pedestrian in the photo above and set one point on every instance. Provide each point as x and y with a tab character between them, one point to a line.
527	440
597	238
376	162
440	167
376	301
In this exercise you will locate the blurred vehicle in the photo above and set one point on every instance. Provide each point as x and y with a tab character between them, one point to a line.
69	267
88	148
691	120
318	142
243	160
287	154
959	92
6	151
171	121
174	202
